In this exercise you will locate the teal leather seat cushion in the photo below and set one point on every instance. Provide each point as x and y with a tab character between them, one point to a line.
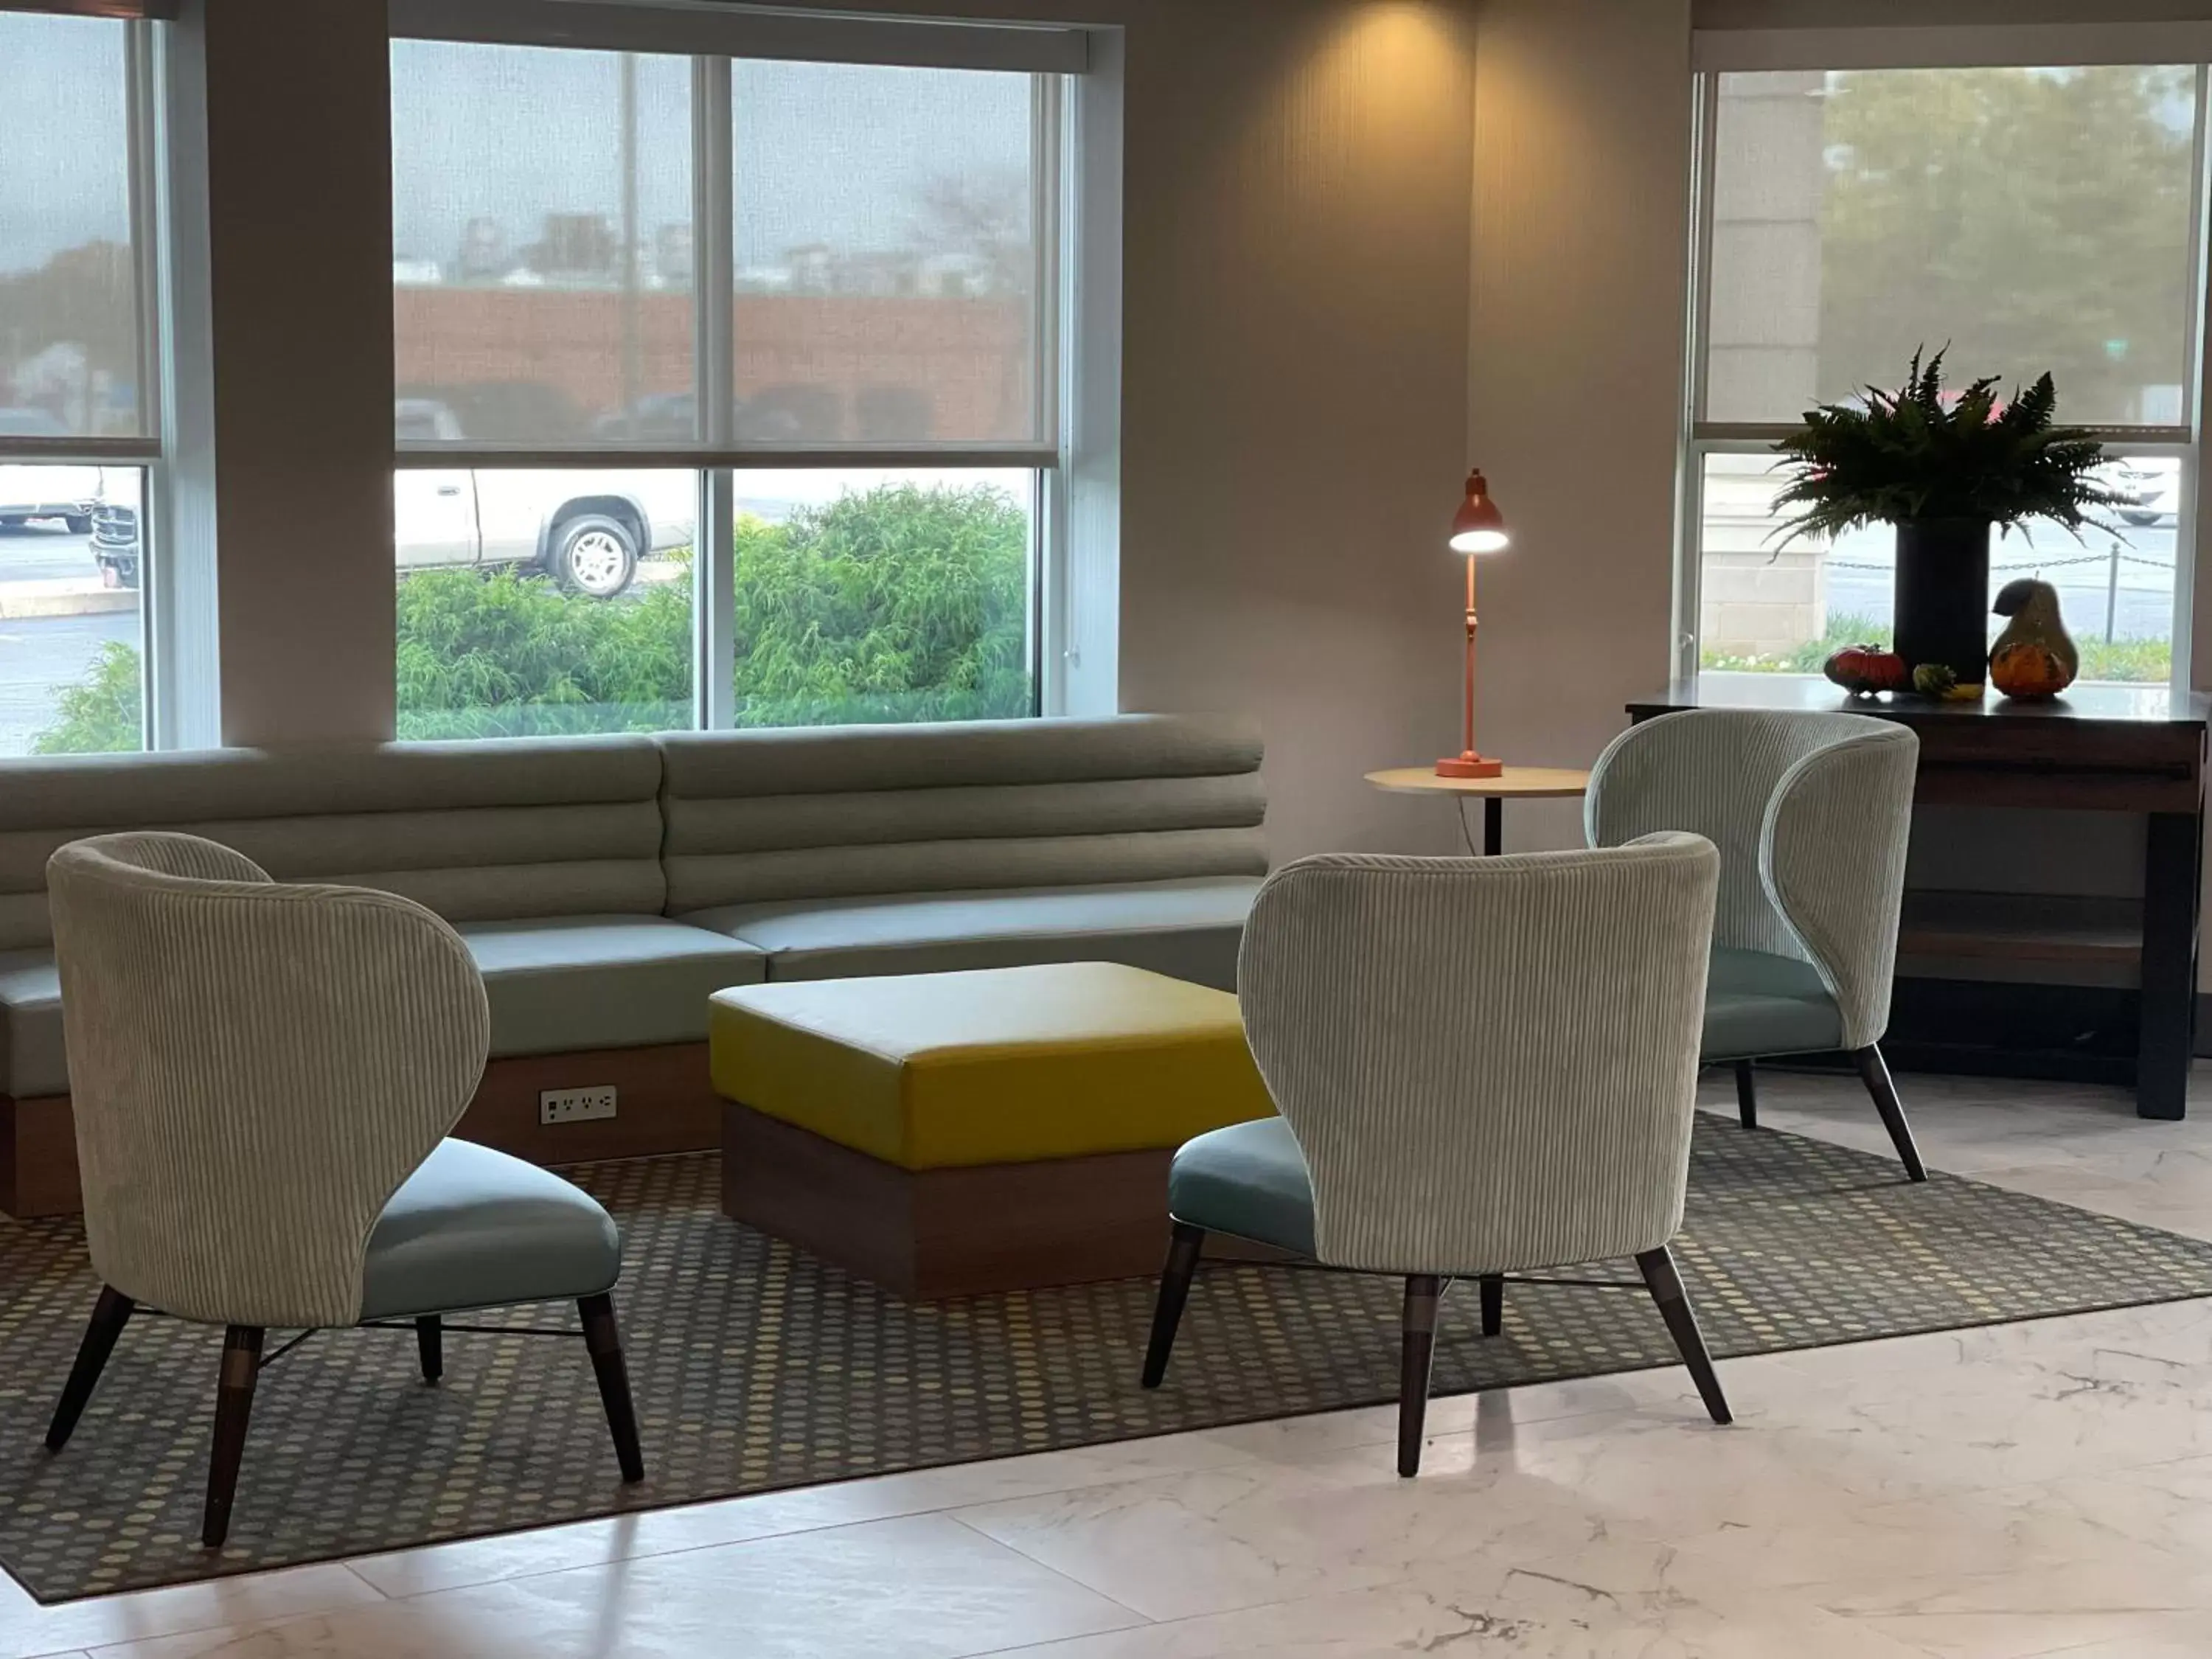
473	1228
32	1060
1758	1004
568	983
1187	929
1249	1180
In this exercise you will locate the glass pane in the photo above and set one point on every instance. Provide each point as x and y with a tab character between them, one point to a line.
1769	607
886	263
869	595
68	610
69	306
2031	219
535	603
541	217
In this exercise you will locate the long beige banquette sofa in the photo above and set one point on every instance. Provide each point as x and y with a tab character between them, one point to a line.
607	885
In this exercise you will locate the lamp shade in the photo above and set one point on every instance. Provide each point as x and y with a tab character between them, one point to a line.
1479	527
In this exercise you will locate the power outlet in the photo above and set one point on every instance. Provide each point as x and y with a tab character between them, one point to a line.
575	1105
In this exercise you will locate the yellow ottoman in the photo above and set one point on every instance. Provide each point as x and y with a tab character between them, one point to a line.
947	1134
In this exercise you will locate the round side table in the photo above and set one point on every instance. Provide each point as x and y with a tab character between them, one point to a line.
1515	783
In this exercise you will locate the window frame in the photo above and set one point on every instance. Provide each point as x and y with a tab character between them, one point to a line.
162	722
1716	53
1057	60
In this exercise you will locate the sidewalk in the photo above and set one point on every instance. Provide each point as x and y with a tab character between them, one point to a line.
63	596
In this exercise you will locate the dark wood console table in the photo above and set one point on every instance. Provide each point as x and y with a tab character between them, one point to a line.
2099	748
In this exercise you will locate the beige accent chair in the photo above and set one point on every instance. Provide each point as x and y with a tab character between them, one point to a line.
1811	813
1484	1066
263	1077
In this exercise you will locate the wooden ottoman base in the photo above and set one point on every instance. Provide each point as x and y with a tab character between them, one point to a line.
926	1234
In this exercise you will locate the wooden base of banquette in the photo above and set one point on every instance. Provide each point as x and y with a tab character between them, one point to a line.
666	1105
930	1234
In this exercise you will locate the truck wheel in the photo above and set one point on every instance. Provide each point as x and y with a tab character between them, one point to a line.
123	573
80	523
593	555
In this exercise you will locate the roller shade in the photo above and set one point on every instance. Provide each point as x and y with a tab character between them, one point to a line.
1998	45
125	9
711	30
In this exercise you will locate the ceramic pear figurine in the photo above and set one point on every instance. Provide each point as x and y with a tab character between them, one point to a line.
2034	657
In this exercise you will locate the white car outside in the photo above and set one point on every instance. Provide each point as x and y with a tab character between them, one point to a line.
587	529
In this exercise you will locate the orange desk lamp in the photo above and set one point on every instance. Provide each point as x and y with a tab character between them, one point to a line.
1478	529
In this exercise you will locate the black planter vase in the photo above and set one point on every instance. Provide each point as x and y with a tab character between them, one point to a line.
1943	595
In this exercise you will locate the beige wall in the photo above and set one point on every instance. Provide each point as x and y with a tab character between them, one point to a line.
299	289
1294	391
1582	144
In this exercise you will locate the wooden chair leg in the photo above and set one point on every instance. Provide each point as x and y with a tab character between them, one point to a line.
109	1316
602	1338
1493	1303
1185	1244
430	1345
234	1407
1417	1347
1747	1095
1873	1071
1666	1287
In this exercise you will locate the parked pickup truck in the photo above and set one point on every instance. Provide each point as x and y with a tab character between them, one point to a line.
28	491
587	529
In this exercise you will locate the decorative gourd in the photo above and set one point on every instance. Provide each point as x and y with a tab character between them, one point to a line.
2034	657
2027	670
1863	669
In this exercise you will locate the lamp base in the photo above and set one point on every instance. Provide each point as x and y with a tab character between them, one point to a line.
1470	766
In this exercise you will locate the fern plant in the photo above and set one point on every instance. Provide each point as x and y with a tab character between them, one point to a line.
1912	455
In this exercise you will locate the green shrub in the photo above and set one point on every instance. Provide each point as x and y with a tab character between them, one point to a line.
101	714
2130	661
900	603
508	654
1843	628
897	603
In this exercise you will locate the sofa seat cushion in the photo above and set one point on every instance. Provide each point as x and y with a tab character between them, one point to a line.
1757	1003
473	1228
1000	1065
1249	1180
1187	929
32	1060
564	984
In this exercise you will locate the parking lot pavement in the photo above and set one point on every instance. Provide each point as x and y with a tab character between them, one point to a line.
38	656
39	554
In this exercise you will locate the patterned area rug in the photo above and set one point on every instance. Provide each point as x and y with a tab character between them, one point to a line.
755	1367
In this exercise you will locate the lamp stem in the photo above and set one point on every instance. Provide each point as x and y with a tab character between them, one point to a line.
1468	747
1468	763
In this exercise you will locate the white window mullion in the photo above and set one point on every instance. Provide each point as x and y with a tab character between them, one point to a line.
714	377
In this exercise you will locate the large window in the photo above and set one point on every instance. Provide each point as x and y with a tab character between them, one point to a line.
2026	219
79	406
729	387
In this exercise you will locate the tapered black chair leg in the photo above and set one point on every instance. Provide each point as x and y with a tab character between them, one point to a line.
1874	1070
430	1345
1666	1287
1185	1244
109	1316
233	1408
1747	1095
602	1338
1417	1348
1493	1303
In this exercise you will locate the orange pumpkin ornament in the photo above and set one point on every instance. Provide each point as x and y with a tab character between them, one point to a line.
2034	657
2027	670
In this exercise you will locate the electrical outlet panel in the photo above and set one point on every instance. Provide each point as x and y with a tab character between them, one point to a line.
575	1105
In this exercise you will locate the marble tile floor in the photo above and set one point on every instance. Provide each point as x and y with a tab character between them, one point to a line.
2033	1489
